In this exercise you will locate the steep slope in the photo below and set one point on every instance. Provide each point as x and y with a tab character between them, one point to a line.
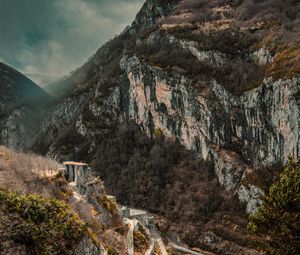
222	78
21	103
17	90
41	212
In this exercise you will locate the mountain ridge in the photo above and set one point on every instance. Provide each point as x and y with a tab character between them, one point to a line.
21	107
20	87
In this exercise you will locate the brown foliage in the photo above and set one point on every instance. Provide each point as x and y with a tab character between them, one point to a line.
158	175
163	177
26	173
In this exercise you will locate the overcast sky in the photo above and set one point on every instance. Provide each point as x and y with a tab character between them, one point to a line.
53	37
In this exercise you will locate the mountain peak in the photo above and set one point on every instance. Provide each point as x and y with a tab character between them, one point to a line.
151	12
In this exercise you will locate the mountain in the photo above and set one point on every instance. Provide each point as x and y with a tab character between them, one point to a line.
42	79
21	103
189	113
109	53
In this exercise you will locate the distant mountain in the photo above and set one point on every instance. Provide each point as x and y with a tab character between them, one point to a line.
43	79
17	90
21	104
67	84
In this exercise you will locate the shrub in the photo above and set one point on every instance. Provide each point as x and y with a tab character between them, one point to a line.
112	251
158	133
286	63
27	173
44	226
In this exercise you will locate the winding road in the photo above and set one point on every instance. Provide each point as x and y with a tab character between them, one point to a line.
130	242
154	237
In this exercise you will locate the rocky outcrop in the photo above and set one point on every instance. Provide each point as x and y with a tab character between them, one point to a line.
251	195
12	128
54	125
151	12
92	189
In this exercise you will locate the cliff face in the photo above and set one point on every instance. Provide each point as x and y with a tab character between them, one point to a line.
262	125
221	80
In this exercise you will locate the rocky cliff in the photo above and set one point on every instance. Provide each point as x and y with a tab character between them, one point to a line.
220	77
215	123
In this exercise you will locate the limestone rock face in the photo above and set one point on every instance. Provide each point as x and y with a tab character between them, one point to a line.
262	124
168	103
11	131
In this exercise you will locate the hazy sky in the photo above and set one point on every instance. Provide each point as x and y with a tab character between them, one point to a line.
53	37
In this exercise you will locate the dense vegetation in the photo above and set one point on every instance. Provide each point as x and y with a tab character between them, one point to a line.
161	176
277	221
43	226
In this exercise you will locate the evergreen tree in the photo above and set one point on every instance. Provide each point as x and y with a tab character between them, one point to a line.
277	221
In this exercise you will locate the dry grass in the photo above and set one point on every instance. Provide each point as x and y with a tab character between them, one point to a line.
285	47
25	172
286	63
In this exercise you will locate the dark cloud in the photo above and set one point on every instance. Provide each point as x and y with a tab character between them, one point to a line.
53	37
